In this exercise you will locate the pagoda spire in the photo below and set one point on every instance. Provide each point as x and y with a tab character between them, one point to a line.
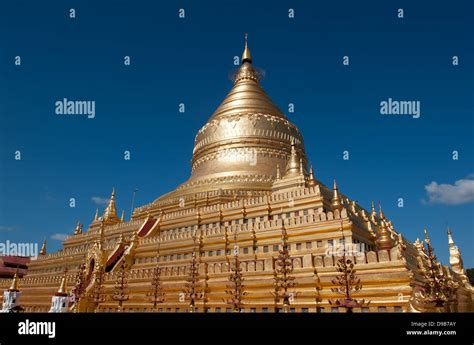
110	213
62	287
450	237
311	180
373	214
78	229
246	57
122	218
11	297
15	286
43	248
455	259
293	166
336	198
60	300
96	217
427	237
384	240
381	215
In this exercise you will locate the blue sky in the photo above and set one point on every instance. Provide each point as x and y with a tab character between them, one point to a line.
189	60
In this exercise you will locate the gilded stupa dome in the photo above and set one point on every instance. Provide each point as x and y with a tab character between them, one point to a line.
243	142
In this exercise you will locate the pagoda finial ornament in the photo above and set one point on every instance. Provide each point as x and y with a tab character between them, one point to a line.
450	237
12	296
43	248
353	207
246	57
427	237
419	244
293	166
373	213
455	258
384	239
15	286
96	217
311	180
122	218
336	199
62	287
78	229
110	212
381	215
60	300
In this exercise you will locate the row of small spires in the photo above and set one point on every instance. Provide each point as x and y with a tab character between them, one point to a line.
110	214
295	166
384	239
62	291
15	285
336	203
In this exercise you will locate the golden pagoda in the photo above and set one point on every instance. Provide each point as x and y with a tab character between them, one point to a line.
249	182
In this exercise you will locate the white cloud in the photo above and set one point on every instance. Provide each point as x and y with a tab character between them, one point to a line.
100	201
59	237
4	228
461	192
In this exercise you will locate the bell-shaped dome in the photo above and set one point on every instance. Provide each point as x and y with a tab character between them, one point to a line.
245	139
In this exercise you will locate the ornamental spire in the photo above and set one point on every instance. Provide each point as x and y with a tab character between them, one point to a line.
15	282
450	237
455	258
78	229
246	55
62	291
43	248
384	240
110	213
96	217
293	166
381	215
373	213
283	273
336	199
427	237
311	180
236	289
